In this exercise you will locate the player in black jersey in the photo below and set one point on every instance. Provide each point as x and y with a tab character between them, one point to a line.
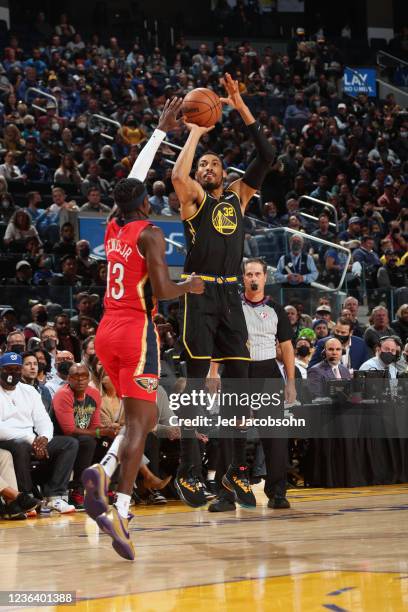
215	327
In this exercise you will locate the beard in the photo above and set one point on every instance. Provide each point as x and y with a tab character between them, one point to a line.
210	184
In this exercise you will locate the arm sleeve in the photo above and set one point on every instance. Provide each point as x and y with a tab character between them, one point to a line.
42	423
146	156
64	411
265	155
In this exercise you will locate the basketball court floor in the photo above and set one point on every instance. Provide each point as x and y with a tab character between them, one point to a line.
344	550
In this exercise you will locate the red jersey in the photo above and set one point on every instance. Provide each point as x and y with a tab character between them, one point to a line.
128	287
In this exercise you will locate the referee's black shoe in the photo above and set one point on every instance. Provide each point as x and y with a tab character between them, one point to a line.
278	503
190	488
223	503
237	481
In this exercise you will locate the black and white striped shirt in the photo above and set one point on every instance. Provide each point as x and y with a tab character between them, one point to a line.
266	322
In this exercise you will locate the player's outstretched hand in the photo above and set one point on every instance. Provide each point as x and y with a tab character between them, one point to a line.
232	88
169	119
197	128
196	284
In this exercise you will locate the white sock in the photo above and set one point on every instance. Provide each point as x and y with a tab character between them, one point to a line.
110	461
122	504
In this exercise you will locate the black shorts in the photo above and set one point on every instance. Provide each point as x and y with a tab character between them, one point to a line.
213	324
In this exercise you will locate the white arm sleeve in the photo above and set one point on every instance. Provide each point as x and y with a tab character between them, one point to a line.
146	156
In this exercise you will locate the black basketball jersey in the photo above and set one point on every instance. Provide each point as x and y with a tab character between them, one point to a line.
215	236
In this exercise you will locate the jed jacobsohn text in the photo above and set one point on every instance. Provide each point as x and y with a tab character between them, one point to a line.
219	421
209	401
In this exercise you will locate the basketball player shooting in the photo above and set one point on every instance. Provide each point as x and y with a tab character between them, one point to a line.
214	325
127	345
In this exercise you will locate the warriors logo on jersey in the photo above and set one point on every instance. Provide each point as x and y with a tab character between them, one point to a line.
224	218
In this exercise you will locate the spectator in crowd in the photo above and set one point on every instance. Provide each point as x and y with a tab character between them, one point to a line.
33	205
320	328
386	357
400	324
379	327
328	369
68	277
173	206
49	341
93	179
297	269
39	317
351	303
67	173
16	504
77	411
66	246
94	203
9	170
294	320
86	265
323	311
88	350
67	340
159	201
27	430
16	342
63	362
303	353
354	348
391	274
20	228
29	376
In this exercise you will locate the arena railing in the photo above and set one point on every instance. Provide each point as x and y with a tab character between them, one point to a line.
311	239
100	120
40	94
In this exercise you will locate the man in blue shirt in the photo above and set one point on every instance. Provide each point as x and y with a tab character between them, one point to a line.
297	269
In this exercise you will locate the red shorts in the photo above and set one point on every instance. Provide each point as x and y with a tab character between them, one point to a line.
129	350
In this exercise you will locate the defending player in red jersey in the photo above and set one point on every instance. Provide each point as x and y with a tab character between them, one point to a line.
128	347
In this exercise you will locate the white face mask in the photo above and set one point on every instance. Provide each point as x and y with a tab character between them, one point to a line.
82	125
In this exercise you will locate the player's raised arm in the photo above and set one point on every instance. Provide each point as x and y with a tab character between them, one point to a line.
265	152
167	122
188	191
151	244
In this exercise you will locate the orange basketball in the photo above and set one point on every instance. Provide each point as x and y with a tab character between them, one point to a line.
202	107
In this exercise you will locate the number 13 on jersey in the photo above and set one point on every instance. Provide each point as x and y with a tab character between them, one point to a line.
114	285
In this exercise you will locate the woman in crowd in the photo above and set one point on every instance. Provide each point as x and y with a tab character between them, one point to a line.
67	173
20	228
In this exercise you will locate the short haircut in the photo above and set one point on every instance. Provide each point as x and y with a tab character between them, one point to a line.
28	354
93	189
15	333
48	328
344	321
126	192
210	153
257	260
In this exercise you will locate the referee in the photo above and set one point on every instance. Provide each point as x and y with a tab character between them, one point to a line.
268	322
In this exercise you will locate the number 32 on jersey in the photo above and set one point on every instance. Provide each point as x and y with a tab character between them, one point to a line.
114	286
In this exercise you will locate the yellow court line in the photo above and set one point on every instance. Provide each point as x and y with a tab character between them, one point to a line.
304	592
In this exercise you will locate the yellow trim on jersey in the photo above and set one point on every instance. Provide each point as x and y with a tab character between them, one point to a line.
184	334
198	209
142	361
235	193
229	358
214	279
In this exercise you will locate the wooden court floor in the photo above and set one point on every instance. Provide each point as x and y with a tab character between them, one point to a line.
344	550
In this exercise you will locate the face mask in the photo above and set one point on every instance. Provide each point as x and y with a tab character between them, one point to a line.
369	213
303	351
404	134
10	379
5	204
63	368
343	339
42	367
55	127
42	318
84	252
17	348
387	358
296	247
81	125
50	344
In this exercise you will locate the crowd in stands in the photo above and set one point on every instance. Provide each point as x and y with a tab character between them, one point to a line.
56	162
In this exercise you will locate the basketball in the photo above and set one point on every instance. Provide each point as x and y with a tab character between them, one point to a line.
202	107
